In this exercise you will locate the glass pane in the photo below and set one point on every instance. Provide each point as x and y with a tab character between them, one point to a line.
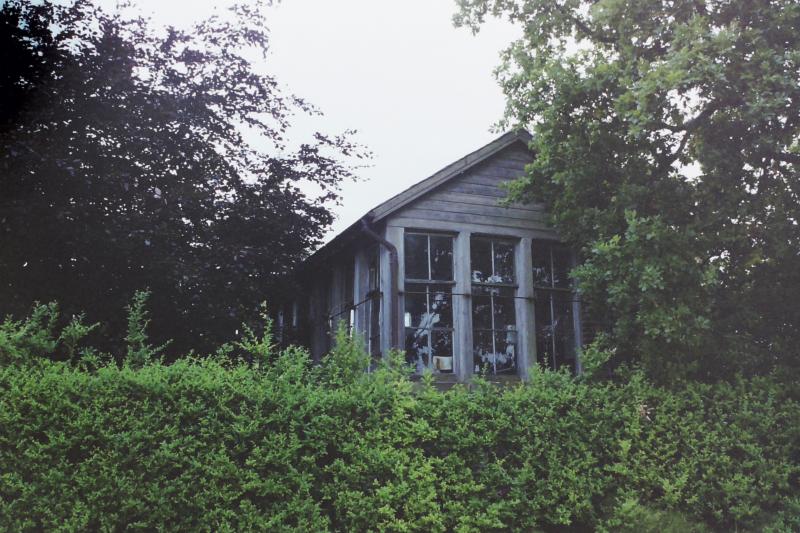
373	320
482	312
495	352
544	330
441	306
349	282
416	305
374	270
564	332
442	344
441	257
505	359
416	252
481	256
418	349
561	266
540	252
503	262
505	315
483	351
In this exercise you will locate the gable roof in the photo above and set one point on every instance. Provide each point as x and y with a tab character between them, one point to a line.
399	201
446	174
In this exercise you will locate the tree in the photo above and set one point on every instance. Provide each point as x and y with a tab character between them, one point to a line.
667	141
135	158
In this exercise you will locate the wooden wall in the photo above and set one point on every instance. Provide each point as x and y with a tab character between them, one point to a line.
472	200
465	205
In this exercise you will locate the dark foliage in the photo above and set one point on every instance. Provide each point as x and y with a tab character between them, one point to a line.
132	157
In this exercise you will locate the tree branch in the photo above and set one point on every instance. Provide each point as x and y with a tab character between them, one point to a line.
786	157
693	123
667	161
582	26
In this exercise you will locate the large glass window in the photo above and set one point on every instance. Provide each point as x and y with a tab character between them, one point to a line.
341	295
428	301
554	297
494	324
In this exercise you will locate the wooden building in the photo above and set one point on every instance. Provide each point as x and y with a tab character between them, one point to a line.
447	273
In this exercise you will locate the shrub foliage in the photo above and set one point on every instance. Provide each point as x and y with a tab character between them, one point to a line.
276	443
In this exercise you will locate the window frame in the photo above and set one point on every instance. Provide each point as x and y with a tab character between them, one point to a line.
430	289
552	293
488	288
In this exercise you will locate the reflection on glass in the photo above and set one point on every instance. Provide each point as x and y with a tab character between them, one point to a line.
428	313
495	352
416	256
442	350
503	262
416	304
492	261
481	311
504	311
481	255
441	252
564	331
542	272
493	306
551	264
561	266
555	333
440	302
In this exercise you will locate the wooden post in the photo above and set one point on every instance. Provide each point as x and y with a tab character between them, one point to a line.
526	325
392	303
360	288
462	307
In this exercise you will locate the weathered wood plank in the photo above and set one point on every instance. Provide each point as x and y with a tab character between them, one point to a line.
478	199
466	218
480	179
483	210
483	229
505	161
496	173
467	187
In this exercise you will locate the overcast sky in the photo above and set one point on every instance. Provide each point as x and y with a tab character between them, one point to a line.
419	91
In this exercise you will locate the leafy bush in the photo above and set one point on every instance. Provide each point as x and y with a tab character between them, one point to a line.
276	443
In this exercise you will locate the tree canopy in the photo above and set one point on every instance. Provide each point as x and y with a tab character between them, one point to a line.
667	141
135	157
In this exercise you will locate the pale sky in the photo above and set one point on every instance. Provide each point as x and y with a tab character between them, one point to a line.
420	92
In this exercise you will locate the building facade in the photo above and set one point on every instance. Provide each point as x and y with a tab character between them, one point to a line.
450	274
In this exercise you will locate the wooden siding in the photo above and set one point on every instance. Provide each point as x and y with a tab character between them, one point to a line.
474	198
518	139
464	199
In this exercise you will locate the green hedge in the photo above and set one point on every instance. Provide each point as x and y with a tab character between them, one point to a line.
280	445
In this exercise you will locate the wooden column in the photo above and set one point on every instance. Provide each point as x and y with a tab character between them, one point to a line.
526	325
462	307
390	305
360	288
